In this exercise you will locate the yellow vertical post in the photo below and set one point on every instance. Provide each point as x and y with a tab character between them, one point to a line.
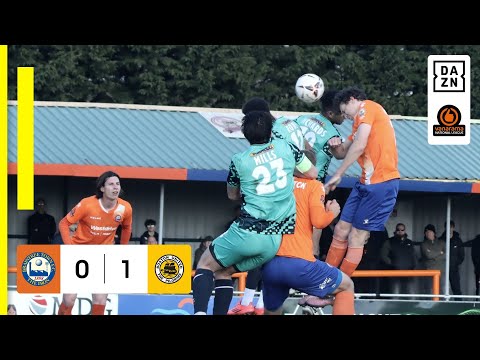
25	139
3	179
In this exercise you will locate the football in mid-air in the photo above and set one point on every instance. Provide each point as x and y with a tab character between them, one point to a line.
309	88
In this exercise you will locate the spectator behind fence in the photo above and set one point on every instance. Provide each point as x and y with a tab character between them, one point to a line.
457	255
152	240
398	253
41	226
150	225
475	245
433	257
203	246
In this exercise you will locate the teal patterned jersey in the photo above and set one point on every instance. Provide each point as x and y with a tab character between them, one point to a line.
317	130
288	129
265	176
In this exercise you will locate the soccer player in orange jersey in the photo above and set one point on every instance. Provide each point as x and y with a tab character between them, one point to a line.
98	217
371	201
294	265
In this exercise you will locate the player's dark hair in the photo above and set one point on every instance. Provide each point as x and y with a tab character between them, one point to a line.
327	101
257	127
255	104
343	96
101	182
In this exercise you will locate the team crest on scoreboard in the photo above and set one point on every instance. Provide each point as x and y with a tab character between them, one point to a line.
169	269
38	268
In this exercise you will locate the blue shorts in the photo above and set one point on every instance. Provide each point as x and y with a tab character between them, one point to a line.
284	273
368	207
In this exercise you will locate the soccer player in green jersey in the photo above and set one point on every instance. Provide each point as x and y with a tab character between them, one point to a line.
317	130
262	176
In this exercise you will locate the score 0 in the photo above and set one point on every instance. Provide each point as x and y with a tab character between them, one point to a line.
104	269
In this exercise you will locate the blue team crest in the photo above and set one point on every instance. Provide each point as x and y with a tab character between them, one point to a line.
38	268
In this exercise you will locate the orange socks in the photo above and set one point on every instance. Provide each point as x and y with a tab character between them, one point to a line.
65	310
98	309
352	259
344	303
336	252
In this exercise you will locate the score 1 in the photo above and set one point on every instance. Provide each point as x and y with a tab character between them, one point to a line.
104	269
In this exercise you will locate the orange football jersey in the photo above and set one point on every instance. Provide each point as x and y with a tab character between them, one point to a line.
310	202
379	161
95	224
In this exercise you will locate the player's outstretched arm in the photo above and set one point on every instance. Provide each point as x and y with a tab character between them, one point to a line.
356	148
339	148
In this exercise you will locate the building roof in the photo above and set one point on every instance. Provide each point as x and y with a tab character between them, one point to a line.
155	142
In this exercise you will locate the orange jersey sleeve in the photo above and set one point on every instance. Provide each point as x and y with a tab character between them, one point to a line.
379	161
97	225
63	227
126	228
310	198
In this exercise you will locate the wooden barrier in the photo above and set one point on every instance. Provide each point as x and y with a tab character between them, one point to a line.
435	274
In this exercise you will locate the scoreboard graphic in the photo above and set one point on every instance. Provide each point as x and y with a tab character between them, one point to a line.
104	269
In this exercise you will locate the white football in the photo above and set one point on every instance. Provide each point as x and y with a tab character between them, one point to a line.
309	88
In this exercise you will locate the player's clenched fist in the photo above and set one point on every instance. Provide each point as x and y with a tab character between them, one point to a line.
335	142
334	206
